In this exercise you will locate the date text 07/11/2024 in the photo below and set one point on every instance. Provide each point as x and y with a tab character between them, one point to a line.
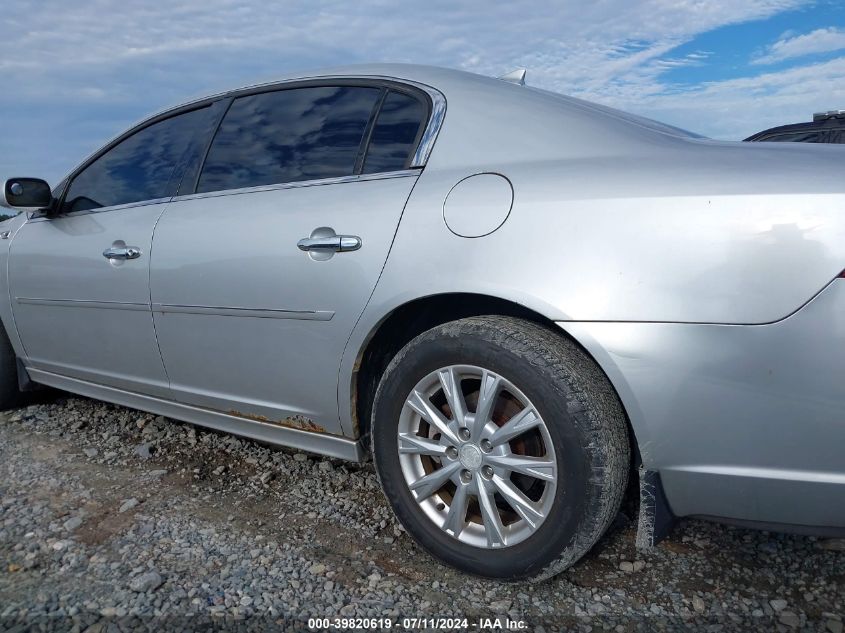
413	624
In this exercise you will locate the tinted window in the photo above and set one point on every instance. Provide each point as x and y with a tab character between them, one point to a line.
394	137
140	167
288	135
813	136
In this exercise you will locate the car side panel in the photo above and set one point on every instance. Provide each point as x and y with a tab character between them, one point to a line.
572	249
247	322
742	422
12	226
644	252
79	314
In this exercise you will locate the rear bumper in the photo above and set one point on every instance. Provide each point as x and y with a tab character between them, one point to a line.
742	422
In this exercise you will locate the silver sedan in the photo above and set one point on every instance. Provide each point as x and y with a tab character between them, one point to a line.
524	306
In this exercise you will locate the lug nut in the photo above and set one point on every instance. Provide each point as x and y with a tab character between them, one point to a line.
487	472
486	446
464	434
466	476
452	452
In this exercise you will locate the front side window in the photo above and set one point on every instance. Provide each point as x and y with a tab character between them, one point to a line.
141	167
395	135
288	136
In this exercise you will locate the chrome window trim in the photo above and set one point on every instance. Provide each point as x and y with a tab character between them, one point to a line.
435	119
432	129
418	161
118	207
385	175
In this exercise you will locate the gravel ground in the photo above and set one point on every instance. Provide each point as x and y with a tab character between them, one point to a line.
114	519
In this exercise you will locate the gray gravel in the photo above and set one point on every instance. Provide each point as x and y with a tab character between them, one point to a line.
114	519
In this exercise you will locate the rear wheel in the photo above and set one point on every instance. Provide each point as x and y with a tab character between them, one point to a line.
501	446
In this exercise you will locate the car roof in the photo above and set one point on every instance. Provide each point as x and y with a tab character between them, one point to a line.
481	104
448	81
431	76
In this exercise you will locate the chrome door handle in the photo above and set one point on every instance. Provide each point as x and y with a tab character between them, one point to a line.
331	244
124	252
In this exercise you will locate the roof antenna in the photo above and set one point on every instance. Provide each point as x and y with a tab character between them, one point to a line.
515	77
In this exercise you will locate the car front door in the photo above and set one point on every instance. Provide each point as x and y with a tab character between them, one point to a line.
248	322
79	280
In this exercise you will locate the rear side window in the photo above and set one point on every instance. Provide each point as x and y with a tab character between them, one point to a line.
288	136
141	167
395	134
813	136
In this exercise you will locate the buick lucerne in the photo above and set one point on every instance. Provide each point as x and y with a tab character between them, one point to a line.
521	305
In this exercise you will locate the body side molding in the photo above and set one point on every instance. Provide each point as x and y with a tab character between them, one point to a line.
261	313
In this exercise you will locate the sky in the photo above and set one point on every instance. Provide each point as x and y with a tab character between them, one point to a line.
77	73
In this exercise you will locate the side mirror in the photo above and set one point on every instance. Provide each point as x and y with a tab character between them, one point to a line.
26	193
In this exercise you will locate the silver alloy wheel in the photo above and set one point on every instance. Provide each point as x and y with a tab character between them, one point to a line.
477	456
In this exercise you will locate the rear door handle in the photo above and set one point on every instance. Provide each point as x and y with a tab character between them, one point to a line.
330	244
122	252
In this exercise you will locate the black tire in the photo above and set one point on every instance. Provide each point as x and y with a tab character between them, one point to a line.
584	418
10	395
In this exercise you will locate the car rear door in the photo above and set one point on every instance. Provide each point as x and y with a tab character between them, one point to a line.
249	323
79	280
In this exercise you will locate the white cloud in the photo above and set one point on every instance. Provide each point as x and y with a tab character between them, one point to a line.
78	72
737	108
790	46
568	41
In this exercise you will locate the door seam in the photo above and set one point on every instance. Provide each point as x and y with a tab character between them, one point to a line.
9	287
150	303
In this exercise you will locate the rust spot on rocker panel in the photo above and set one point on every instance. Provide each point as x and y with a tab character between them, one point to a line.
299	422
356	423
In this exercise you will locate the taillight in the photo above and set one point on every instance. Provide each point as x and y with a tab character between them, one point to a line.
842	275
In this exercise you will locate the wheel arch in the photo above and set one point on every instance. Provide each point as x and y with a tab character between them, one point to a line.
414	317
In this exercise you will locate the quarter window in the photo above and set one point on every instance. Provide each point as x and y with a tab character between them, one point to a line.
395	134
141	167
288	136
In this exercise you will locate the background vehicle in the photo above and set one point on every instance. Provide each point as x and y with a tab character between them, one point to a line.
826	127
519	300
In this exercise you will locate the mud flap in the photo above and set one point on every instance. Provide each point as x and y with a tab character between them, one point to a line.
656	518
25	383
